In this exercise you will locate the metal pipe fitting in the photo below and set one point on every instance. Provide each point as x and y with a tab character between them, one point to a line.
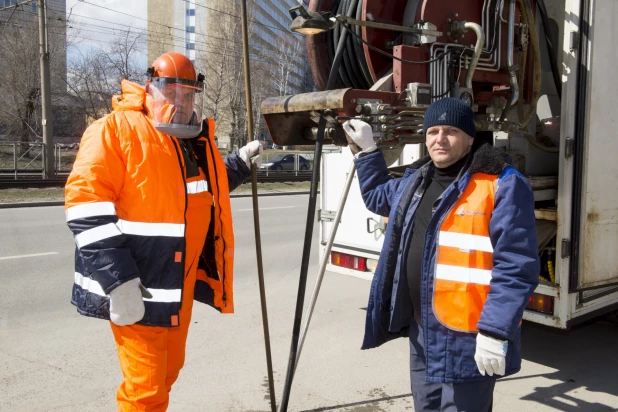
478	49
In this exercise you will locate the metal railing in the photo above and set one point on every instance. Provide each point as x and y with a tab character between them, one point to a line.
27	159
21	159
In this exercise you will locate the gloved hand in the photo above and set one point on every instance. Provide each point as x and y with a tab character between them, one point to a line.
361	135
125	303
490	355
252	151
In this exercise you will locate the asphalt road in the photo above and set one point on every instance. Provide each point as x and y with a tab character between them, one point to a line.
52	359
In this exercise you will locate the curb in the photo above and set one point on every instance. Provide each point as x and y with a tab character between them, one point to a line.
61	202
30	204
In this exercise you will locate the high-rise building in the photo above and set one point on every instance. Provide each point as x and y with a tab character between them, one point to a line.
273	38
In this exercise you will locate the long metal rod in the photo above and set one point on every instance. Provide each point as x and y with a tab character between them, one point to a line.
510	59
325	257
302	281
392	27
256	209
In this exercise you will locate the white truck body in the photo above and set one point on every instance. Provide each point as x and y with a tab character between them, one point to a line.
581	181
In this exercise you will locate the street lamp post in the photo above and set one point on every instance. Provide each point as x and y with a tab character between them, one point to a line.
46	109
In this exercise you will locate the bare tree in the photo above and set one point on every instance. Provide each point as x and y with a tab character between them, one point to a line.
94	76
20	82
221	61
283	64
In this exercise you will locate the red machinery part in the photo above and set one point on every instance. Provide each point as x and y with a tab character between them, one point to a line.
438	12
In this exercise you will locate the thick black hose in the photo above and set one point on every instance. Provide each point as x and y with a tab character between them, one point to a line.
315	177
353	71
349	60
354	58
329	40
362	61
550	48
344	79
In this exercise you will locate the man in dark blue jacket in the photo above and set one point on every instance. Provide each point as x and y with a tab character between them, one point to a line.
459	260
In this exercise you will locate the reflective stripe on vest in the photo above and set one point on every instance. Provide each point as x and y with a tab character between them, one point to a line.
465	256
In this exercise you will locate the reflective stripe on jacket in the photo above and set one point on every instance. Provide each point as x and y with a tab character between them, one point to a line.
125	204
456	250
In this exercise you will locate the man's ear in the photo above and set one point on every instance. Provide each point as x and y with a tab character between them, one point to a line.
471	141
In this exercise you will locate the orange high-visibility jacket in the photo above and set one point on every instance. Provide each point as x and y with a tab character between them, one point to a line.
125	203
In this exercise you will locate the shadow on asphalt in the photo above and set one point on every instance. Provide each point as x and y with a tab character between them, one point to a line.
584	357
364	404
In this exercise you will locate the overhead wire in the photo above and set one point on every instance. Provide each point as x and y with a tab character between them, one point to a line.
146	31
237	51
61	30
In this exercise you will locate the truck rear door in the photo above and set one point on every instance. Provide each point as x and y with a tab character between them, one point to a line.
595	203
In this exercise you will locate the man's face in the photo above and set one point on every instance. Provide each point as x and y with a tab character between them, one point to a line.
447	144
182	98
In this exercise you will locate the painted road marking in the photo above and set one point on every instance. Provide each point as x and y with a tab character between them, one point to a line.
27	256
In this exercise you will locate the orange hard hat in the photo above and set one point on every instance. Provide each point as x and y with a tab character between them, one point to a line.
173	65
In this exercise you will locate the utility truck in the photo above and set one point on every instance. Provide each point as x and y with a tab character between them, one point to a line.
540	77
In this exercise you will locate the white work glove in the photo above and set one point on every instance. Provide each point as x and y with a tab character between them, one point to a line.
490	355
361	135
126	305
252	151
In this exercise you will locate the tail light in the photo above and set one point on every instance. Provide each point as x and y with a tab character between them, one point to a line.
541	303
348	261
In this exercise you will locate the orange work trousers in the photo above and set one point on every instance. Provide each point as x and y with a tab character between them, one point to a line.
150	356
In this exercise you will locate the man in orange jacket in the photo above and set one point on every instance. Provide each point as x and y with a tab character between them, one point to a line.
148	202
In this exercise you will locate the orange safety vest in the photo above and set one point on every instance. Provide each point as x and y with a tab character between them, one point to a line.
465	256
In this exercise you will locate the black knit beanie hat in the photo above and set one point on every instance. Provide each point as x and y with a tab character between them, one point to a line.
450	112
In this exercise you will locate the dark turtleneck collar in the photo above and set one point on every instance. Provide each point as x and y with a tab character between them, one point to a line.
451	171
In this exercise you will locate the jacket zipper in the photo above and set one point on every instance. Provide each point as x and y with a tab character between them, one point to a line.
439	225
184	181
224	294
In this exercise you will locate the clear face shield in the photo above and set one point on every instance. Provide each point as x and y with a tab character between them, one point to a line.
178	106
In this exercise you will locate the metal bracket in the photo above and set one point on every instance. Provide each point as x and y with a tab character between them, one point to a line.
565	248
569	147
379	225
326	215
574	42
